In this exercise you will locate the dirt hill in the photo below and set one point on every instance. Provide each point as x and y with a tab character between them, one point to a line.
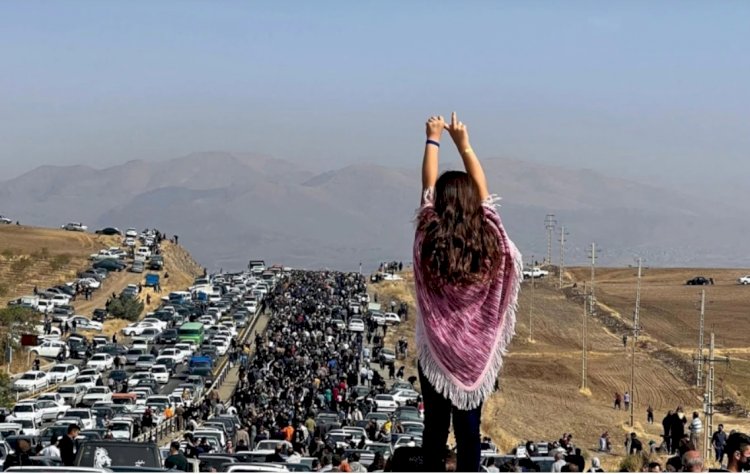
31	256
540	396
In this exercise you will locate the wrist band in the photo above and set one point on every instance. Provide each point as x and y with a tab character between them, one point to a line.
433	142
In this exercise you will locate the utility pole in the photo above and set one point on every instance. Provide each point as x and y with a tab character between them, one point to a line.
708	396
699	377
636	330
584	345
549	224
593	267
562	254
531	304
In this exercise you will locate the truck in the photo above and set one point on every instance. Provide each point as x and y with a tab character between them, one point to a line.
534	272
152	280
256	266
156	263
200	365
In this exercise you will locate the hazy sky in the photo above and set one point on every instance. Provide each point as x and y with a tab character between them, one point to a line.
654	90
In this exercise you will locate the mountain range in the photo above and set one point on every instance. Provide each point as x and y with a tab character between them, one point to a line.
229	207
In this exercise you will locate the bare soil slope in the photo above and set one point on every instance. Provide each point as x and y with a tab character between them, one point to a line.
540	396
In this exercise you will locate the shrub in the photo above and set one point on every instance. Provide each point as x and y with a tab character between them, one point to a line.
126	308
4	289
8	253
21	265
7	398
59	261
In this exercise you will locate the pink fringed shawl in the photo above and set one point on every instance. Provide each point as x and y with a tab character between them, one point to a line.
463	332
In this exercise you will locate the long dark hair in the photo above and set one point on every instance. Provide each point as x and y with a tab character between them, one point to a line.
459	247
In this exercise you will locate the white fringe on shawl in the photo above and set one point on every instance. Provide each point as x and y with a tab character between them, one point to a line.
443	382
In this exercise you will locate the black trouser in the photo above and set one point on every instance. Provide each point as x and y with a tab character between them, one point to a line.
437	419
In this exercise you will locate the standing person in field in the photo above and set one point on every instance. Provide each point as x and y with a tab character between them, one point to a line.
467	274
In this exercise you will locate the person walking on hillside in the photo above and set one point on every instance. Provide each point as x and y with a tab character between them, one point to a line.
626	400
618	401
650	415
467	273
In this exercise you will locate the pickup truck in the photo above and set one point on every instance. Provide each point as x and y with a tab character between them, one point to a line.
535	272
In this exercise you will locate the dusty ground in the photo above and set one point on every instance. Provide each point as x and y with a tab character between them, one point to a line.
540	395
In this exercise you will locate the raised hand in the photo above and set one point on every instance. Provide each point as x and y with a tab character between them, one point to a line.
458	133
435	127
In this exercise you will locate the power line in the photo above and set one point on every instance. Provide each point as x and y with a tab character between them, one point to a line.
562	254
701	328
592	299
549	224
636	331
531	304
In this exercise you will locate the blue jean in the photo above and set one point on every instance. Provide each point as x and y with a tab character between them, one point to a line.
437	419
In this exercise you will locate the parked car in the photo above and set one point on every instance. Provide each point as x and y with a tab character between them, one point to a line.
109	231
5	220
110	265
75	227
745	280
62	373
700	280
356	325
137	267
101	362
31	381
85	324
97	394
72	394
534	272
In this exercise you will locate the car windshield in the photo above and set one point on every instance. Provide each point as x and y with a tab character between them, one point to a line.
99	357
59	368
120	426
23	408
28	377
25	423
79	413
66	389
98	390
159	369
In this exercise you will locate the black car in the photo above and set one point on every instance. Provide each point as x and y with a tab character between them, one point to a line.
156	263
109	231
91	274
112	349
118	375
68	290
167	337
699	280
150	383
110	264
100	315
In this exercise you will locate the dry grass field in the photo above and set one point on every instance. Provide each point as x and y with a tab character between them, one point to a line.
540	396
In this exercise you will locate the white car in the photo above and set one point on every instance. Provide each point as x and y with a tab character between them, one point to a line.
156	323
51	410
143	252
5	220
75	226
52	397
30	426
186	348
62	373
50	348
85	324
27	411
121	428
87	417
101	362
87	381
356	325
386	319
92	283
129	242
31	381
97	394
60	300
136	329
251	306
160	373
133	380
175	354
745	280
403	396
221	343
385	402
131	233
